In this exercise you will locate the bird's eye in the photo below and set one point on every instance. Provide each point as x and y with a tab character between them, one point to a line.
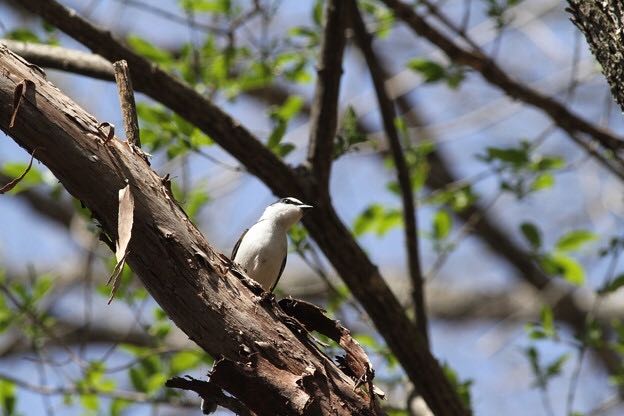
287	201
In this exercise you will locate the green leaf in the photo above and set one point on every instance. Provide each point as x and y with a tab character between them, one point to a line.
149	51
196	200
185	360
554	368
514	156
117	406
534	331
42	285
461	387
548	321
137	378
317	12
290	108
198	139
23	35
156	382
349	133
277	134
546	163
90	402
543	181
151	365
612	285
574	240
376	218
429	70
34	176
531	234
442	224
8	399
571	269
284	149
207	6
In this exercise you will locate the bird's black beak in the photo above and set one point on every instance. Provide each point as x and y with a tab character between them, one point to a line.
304	207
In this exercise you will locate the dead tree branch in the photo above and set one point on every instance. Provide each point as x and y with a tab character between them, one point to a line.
201	290
126	101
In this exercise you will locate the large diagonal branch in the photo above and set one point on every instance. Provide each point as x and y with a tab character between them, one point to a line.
200	289
324	117
388	116
351	262
576	127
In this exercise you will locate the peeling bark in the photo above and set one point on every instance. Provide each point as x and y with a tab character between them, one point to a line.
200	289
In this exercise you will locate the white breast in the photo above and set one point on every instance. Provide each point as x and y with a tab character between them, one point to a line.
262	251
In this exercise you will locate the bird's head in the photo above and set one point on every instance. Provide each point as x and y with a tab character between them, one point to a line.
286	211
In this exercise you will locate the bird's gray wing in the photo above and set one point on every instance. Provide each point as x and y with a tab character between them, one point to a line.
237	245
280	273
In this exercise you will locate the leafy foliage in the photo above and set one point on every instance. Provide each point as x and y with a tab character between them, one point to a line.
497	9
349	135
544	373
462	387
433	72
521	171
378	219
281	116
33	178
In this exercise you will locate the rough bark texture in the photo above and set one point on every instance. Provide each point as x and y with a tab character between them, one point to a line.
197	287
333	237
602	23
126	102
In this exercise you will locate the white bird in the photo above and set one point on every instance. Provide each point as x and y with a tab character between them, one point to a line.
262	249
